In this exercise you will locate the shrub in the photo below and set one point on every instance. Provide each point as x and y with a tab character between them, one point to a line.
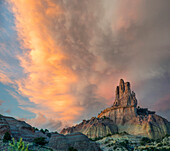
40	141
19	146
123	133
159	144
72	149
124	144
145	140
109	135
97	138
109	145
158	140
35	129
7	137
49	135
46	130
43	131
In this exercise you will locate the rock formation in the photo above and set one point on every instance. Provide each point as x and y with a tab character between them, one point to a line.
93	128
127	117
59	142
16	128
76	140
123	96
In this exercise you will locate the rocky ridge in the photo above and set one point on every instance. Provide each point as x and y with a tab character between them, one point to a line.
75	141
126	116
95	127
16	128
20	129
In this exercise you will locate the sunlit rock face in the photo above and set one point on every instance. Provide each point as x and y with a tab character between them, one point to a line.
133	120
126	116
123	95
93	128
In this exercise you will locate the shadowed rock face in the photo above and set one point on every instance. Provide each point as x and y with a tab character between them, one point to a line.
16	128
76	140
125	115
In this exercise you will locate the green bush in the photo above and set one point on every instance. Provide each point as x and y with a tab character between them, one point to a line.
72	149
7	137
18	146
40	141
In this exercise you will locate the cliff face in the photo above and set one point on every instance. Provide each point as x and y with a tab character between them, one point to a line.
133	120
125	115
93	128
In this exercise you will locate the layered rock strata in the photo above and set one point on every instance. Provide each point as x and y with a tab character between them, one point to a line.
75	140
16	128
93	128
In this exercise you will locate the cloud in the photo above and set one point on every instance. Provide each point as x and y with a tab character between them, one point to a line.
4	79
42	121
163	104
2	111
20	100
56	67
74	53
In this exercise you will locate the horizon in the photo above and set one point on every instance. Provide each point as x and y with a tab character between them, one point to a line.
60	61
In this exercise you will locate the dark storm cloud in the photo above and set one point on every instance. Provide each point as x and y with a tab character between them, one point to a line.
138	47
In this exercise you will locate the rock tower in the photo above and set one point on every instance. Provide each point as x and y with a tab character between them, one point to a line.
123	95
124	116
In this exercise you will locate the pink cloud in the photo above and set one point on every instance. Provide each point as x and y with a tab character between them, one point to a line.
163	104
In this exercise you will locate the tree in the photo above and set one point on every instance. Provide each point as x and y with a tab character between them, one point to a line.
72	149
42	131
7	137
40	141
46	130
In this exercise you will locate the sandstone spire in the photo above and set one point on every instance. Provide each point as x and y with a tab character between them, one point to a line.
123	95
121	88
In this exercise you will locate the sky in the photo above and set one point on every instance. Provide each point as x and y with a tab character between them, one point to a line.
61	60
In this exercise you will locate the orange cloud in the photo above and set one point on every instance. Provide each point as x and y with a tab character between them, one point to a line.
48	80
